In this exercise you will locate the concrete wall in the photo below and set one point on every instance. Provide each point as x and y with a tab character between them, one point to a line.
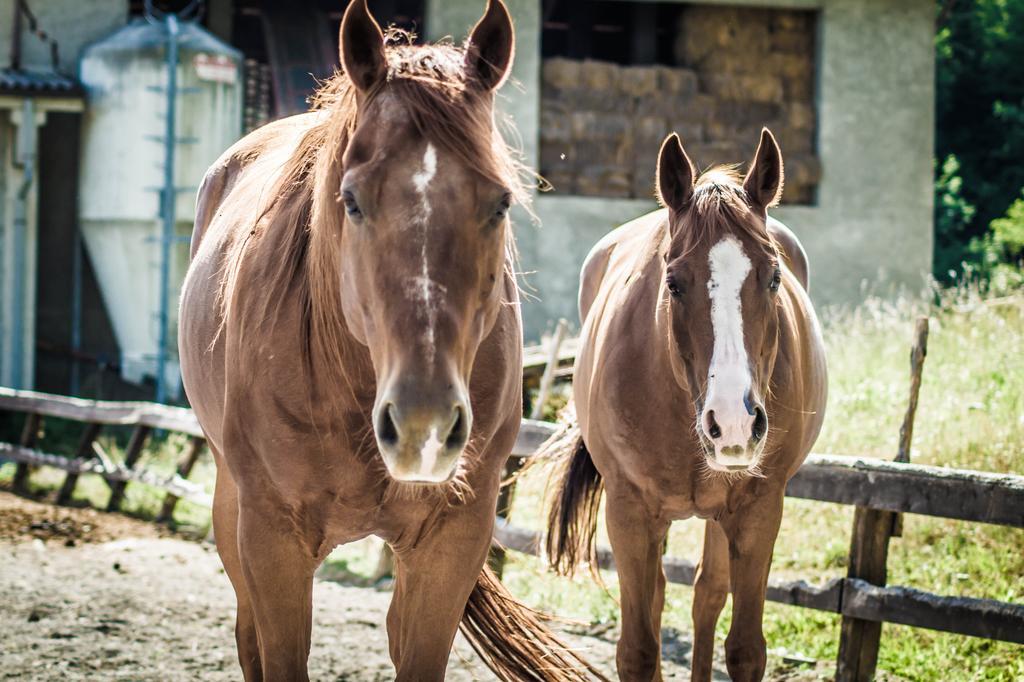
873	219
75	24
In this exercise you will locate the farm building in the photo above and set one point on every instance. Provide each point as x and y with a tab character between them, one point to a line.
838	81
597	86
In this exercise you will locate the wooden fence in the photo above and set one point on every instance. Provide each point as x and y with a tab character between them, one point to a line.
90	458
881	491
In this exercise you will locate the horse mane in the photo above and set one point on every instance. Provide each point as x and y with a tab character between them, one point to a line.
719	206
304	212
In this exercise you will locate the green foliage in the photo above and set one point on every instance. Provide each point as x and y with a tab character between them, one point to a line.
953	216
999	254
980	124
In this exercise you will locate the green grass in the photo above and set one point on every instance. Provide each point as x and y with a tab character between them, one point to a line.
971	415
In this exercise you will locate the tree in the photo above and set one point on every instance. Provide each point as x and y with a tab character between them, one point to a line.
980	122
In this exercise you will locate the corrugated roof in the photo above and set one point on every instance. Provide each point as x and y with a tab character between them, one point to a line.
18	82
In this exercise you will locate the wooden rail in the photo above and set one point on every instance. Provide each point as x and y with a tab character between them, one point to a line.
960	494
144	417
107	412
892	487
912	488
174	485
88	459
879	485
846	596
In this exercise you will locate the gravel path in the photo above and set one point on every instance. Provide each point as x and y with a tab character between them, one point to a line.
94	596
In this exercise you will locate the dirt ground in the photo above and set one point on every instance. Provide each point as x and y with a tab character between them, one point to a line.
93	596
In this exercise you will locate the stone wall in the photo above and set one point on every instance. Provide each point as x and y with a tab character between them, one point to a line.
737	69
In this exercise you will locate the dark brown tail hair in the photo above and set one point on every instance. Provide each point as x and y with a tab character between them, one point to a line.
514	642
572	521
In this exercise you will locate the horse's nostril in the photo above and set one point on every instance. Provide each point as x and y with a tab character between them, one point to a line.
714	430
457	436
760	423
387	432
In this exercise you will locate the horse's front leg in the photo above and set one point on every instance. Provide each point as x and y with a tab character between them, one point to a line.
433	580
278	568
710	590
751	530
637	540
225	528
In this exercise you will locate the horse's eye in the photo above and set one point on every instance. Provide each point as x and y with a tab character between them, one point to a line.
776	280
673	287
503	206
351	207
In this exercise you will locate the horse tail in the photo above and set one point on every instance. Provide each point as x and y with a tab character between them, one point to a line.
572	521
513	641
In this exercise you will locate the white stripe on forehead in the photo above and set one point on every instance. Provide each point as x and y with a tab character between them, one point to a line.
729	269
426	174
423	286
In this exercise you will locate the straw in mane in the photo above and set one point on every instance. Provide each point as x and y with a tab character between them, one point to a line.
720	206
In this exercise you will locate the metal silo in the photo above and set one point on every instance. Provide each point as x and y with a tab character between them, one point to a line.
137	242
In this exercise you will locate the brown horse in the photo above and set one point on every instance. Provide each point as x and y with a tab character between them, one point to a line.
700	387
350	340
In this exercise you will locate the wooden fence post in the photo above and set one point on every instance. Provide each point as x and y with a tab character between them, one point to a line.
869	545
84	450
131	456
29	435
195	448
917	356
506	493
869	551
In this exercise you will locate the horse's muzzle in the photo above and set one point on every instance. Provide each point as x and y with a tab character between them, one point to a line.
421	442
733	439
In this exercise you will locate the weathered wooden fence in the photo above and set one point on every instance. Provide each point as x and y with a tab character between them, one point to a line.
862	596
881	491
90	458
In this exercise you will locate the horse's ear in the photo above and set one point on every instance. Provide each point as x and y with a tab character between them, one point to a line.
362	47
763	183
491	47
675	174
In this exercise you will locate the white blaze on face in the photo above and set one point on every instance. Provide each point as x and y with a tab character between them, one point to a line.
729	374
426	173
428	454
422	285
